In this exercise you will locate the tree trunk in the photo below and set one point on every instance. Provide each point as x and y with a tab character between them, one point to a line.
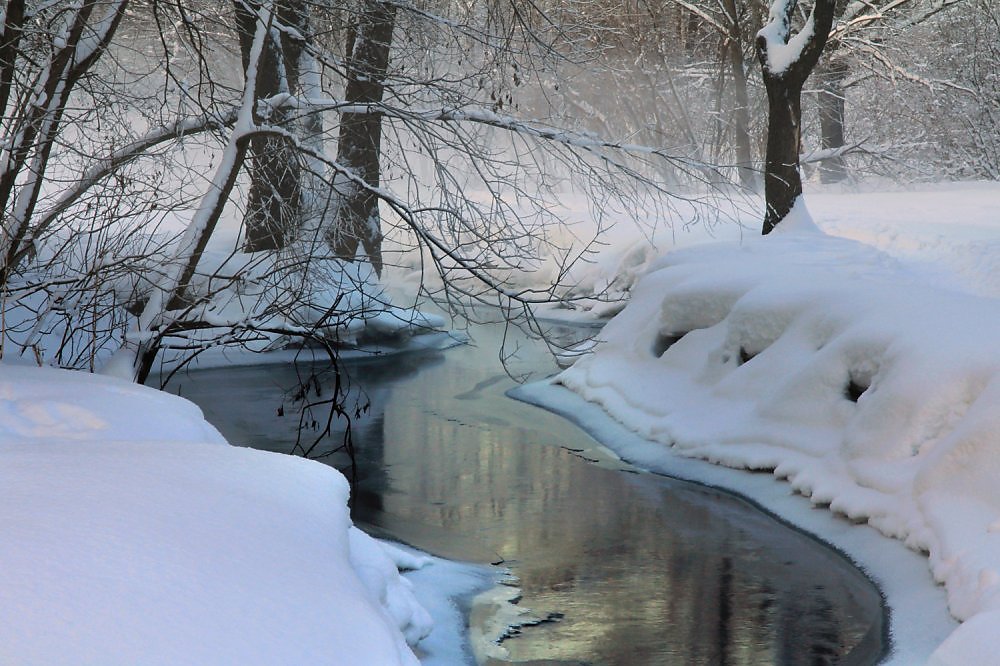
741	118
783	82
357	216
830	100
782	182
171	291
273	205
741	98
10	40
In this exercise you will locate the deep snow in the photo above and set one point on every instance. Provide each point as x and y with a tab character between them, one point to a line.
129	523
863	373
133	533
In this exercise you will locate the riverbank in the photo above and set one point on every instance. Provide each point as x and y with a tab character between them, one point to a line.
868	382
917	607
132	532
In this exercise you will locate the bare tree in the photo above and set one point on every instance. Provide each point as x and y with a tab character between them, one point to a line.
273	209
148	127
40	86
360	144
786	63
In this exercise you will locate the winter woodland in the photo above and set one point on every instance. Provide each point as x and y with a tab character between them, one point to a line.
179	177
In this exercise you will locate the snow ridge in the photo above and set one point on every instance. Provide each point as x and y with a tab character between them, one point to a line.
866	386
132	533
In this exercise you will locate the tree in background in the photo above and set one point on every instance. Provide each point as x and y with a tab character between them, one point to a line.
860	46
786	63
934	108
685	68
359	147
273	209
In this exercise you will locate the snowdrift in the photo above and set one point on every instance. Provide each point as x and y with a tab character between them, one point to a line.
866	385
132	533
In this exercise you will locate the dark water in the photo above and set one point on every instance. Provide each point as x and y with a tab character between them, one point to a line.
639	569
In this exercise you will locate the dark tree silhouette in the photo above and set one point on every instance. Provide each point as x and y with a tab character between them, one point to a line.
831	102
360	145
786	63
273	206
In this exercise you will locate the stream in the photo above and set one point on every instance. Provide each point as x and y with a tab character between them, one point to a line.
626	567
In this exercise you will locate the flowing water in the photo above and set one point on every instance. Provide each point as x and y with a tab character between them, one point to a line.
629	568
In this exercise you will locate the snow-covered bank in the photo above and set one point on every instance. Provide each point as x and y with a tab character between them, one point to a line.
132	533
951	229
918	617
864	382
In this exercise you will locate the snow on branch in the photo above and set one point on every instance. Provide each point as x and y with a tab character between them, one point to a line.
533	128
169	294
786	56
704	16
893	70
440	249
861	14
857	148
125	155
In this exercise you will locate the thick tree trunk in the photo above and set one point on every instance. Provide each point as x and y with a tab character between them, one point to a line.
273	206
357	217
782	182
830	98
783	80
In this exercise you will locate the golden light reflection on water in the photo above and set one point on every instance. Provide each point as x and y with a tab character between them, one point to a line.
644	570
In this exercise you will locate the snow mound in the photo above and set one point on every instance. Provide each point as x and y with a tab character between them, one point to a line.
867	386
55	405
132	535
377	565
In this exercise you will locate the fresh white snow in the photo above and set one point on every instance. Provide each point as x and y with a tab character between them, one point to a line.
864	372
132	529
133	533
782	49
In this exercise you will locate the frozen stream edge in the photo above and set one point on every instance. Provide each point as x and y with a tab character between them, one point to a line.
918	617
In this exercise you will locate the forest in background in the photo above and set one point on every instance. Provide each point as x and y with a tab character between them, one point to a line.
179	174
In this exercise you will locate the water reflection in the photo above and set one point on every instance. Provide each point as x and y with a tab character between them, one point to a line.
644	570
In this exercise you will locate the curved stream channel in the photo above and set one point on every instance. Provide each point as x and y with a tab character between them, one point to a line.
633	568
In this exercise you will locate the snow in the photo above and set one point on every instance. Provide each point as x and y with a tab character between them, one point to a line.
134	534
442	586
849	354
780	50
863	374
